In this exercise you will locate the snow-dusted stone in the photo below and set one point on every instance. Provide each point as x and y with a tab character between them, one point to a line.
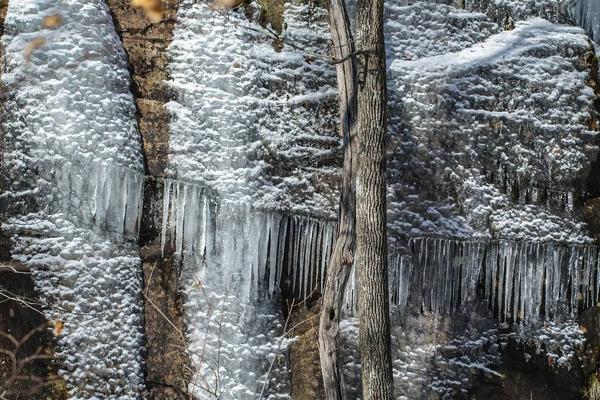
253	128
253	123
494	140
74	187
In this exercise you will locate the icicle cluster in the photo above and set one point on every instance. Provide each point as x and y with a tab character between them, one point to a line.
587	15
268	252
519	281
523	191
262	255
104	195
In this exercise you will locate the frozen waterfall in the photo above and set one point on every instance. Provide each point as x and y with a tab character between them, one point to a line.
519	281
74	187
587	15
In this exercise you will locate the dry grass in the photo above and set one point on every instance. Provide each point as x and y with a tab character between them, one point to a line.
593	390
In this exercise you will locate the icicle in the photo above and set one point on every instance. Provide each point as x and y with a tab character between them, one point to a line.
273	254
304	258
283	239
206	223
181	198
318	255
263	248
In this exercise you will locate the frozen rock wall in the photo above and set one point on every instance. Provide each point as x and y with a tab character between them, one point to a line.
492	141
73	193
253	129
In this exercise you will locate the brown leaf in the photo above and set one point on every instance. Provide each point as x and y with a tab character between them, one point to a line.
227	3
152	8
35	44
52	21
58	327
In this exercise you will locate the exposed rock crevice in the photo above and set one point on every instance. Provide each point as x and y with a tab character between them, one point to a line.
146	43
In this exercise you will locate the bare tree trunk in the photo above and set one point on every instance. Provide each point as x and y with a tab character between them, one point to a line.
371	240
340	266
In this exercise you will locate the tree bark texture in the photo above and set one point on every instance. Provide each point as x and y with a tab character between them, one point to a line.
340	265
371	240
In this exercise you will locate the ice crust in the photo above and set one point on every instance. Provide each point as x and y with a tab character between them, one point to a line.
73	190
490	149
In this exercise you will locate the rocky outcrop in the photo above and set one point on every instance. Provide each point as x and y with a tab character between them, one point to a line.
24	330
145	41
307	382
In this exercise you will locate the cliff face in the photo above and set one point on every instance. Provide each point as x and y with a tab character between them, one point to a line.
72	187
228	132
145	42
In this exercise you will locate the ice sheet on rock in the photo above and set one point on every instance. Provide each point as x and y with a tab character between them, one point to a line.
71	115
232	344
73	193
520	282
252	123
93	286
261	254
494	137
233	261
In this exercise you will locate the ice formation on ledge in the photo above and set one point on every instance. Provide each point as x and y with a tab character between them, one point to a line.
519	281
253	133
501	129
260	256
73	192
278	252
587	15
71	115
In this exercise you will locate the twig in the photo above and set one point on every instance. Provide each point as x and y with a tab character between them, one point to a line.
283	336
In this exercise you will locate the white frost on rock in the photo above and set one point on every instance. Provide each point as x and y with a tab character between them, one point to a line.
74	187
252	123
501	129
253	138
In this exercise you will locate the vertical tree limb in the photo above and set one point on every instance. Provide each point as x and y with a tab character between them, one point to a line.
340	265
371	240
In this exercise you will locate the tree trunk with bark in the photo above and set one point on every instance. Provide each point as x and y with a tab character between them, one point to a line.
371	240
340	265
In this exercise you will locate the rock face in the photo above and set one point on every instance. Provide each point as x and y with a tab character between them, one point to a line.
73	187
492	195
145	43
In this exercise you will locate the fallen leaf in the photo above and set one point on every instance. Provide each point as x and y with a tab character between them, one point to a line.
52	21
58	327
152	8
227	3
35	44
